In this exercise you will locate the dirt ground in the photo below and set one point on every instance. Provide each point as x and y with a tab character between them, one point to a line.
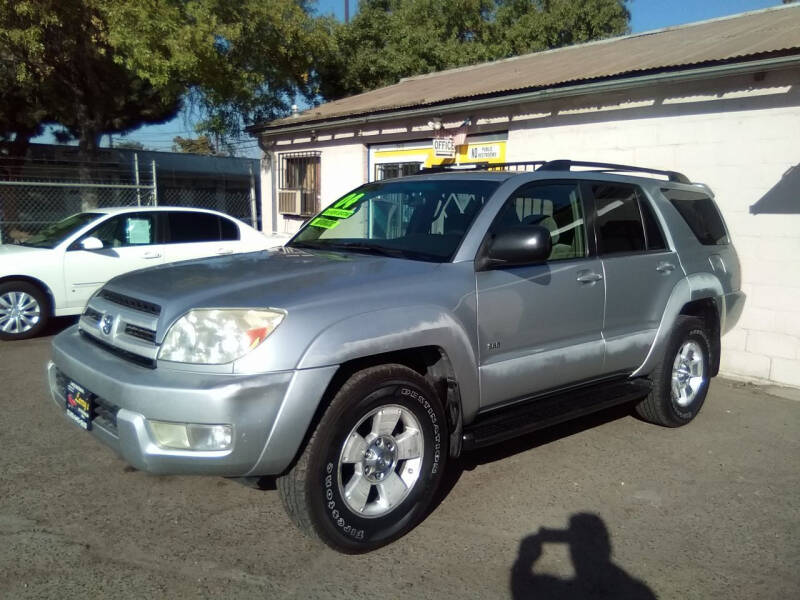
607	507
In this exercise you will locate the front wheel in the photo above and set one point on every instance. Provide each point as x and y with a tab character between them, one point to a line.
372	466
680	382
24	310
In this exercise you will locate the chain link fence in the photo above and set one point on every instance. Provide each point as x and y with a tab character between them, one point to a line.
35	194
236	203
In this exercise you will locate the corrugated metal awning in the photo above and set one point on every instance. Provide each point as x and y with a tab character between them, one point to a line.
770	32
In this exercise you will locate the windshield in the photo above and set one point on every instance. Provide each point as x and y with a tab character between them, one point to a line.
52	235
418	219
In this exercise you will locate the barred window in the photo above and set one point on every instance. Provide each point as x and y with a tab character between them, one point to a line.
299	183
392	170
300	171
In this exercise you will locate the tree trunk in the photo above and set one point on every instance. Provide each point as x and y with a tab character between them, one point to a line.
87	154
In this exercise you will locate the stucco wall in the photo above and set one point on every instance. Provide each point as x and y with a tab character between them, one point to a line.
745	156
342	167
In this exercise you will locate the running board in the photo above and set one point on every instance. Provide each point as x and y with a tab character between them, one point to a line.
521	418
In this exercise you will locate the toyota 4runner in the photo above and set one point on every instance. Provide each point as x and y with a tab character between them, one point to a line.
410	321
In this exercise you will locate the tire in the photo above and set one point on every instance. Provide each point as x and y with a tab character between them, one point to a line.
687	364
351	487
24	310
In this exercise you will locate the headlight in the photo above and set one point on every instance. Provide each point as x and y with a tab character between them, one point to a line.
217	336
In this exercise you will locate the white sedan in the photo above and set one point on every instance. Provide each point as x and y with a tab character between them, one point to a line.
54	272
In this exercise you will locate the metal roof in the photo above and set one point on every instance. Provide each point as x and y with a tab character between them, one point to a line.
747	36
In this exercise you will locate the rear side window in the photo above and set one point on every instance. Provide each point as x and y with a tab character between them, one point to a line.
700	214
619	224
194	227
228	230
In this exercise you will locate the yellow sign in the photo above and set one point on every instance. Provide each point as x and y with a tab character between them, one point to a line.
483	152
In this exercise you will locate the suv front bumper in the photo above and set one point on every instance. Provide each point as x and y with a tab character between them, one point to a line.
270	413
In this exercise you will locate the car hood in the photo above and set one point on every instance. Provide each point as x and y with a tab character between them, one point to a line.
18	260
286	278
7	250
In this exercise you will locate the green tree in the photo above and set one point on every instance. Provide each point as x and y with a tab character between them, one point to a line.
60	53
237	62
129	145
110	66
199	145
391	39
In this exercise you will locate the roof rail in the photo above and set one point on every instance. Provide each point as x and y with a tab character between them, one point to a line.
486	166
566	165
553	165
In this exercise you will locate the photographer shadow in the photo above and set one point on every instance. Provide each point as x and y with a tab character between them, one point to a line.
596	576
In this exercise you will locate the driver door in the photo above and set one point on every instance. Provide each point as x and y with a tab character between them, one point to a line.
540	325
130	242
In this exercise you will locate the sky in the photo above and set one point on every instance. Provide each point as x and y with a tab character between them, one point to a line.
645	16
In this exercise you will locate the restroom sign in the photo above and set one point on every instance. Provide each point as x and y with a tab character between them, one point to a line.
484	152
444	147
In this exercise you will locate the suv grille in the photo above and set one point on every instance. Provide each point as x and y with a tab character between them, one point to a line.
134	303
92	314
148	335
140	360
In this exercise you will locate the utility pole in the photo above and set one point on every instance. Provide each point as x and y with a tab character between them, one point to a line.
346	11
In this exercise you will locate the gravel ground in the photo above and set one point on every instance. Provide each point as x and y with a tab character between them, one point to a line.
607	507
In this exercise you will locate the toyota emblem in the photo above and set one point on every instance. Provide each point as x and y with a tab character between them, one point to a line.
106	324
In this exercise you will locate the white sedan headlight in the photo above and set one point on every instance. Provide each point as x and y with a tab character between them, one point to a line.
213	336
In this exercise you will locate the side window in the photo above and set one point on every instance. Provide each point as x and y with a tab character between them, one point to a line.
229	231
701	215
137	229
655	239
192	227
555	206
619	225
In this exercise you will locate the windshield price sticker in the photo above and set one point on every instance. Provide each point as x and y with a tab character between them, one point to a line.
444	147
330	217
324	223
338	213
348	201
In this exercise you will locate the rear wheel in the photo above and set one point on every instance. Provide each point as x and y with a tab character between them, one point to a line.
24	310
681	381
371	467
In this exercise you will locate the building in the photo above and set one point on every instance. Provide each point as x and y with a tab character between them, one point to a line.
718	100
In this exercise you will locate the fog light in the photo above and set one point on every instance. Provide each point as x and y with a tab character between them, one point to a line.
210	437
191	436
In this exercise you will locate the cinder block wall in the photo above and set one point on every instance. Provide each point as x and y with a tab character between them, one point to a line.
748	150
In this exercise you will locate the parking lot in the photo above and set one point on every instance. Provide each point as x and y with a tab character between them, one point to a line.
711	510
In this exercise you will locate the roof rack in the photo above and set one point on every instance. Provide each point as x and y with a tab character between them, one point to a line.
486	166
555	165
566	165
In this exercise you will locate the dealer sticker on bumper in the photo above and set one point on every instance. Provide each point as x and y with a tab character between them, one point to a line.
79	405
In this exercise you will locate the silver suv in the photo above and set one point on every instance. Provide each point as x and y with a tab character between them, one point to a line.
410	321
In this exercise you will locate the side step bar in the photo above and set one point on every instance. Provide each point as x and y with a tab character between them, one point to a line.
521	418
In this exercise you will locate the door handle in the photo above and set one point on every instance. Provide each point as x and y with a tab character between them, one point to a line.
665	267
589	277
151	254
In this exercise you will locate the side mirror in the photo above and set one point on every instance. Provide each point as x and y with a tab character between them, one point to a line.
523	245
91	243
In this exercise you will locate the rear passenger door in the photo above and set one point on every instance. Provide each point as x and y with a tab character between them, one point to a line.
640	270
192	234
